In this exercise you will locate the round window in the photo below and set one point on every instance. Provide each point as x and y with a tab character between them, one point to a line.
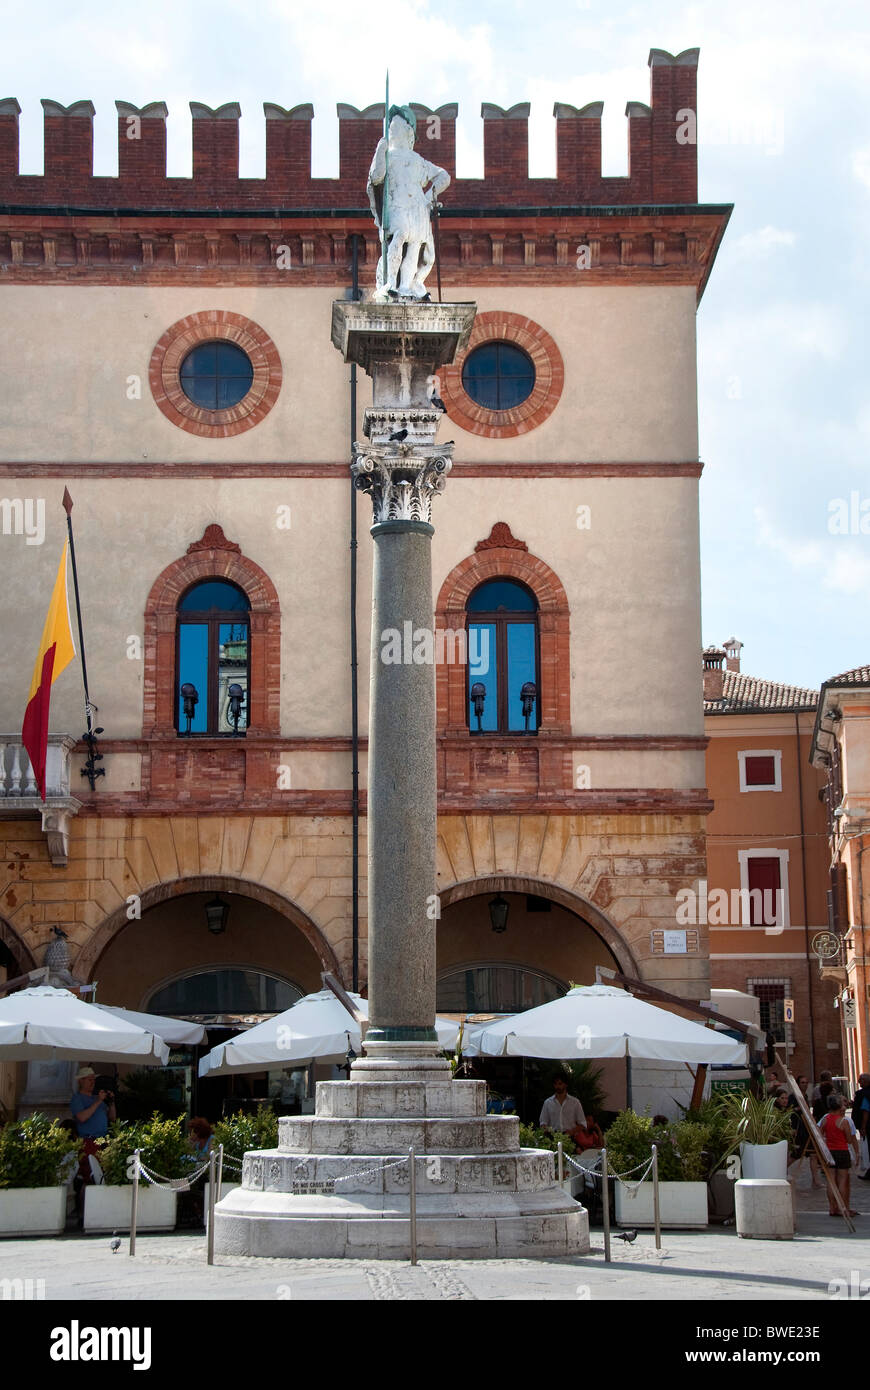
498	376
216	376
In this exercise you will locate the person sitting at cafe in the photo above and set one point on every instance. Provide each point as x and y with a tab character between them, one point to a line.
200	1134
588	1136
561	1112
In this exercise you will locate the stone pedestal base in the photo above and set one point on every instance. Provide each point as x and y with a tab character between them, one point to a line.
764	1208
338	1183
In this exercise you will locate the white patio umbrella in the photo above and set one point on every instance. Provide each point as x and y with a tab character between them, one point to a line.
603	1021
317	1027
175	1031
54	1024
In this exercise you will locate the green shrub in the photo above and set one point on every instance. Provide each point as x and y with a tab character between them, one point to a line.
163	1148
683	1146
33	1152
240	1133
531	1137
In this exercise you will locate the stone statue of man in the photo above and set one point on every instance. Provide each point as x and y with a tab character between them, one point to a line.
413	187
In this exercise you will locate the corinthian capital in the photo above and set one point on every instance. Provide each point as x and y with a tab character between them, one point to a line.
401	481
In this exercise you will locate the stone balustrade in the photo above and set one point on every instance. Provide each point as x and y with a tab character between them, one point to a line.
19	794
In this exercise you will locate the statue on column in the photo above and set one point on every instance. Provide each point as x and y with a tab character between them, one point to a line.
403	190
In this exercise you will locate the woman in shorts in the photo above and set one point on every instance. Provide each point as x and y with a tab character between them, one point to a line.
837	1134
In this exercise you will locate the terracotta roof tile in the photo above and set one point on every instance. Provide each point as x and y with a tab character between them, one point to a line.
743	694
860	676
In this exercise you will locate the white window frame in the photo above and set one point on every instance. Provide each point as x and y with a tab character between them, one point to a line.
744	856
776	754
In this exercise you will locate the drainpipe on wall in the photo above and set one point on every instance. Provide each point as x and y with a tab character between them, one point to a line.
810	1004
354	662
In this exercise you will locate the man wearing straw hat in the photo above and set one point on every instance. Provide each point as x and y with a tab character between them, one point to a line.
92	1118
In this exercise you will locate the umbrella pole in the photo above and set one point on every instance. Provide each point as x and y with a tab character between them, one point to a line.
627	1081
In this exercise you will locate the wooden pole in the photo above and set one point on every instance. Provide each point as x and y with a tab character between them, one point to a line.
698	1088
822	1151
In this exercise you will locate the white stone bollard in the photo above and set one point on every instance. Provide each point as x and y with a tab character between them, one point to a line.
764	1208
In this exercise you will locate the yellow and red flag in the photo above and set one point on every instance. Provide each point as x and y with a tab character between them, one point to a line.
56	651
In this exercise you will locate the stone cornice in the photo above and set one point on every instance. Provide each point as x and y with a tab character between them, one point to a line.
479	247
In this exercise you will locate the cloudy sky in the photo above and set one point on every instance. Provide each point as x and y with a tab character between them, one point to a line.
783	133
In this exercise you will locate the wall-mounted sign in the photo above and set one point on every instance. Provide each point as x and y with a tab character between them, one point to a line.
850	1013
675	943
788	1010
826	944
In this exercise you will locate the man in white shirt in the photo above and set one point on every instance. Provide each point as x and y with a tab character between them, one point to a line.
560	1111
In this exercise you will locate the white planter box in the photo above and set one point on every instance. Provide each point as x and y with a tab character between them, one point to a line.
32	1211
764	1160
108	1208
681	1204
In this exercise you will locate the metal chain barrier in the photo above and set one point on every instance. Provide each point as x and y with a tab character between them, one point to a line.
172	1184
594	1171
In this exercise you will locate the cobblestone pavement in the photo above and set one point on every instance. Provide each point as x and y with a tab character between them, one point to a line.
704	1266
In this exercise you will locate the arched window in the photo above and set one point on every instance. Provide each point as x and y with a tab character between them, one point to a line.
213	659
495	989
222	990
503	660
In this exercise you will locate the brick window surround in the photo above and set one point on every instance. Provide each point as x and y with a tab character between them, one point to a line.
212	557
502	556
213	325
498	325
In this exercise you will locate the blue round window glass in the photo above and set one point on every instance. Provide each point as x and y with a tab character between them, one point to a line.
498	376
216	376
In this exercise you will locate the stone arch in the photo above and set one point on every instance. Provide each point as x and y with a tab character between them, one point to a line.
21	953
88	956
212	557
545	888
502	556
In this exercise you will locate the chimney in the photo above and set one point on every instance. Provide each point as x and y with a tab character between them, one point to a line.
714	676
733	648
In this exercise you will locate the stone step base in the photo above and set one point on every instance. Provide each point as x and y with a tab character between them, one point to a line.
438	1099
491	1226
530	1170
314	1134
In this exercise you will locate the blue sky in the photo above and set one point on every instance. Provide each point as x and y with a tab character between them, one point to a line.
783	133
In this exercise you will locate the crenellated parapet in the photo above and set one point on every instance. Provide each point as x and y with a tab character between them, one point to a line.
662	161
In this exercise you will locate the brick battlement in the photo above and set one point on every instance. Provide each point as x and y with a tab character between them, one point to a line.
661	170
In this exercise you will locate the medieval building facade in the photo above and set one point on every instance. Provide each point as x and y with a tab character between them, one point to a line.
166	356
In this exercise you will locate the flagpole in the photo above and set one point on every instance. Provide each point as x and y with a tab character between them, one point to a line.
90	738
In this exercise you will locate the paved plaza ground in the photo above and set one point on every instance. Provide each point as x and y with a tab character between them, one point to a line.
712	1265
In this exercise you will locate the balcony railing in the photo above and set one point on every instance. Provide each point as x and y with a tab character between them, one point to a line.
19	794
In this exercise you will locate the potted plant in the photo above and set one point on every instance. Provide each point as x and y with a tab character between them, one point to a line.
683	1162
760	1130
240	1134
37	1158
164	1150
